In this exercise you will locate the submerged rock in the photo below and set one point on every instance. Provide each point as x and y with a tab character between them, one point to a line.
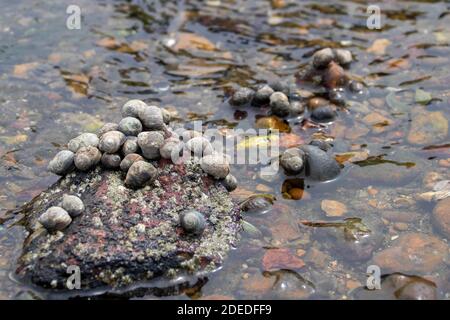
441	216
320	165
428	128
127	235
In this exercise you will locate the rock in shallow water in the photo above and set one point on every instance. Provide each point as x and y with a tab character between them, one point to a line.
108	241
320	165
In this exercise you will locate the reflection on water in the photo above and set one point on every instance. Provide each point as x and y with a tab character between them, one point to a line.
189	56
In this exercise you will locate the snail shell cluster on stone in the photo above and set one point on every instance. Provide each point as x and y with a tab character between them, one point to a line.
142	136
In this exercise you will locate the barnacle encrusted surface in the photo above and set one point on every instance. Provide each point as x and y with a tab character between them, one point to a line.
129	235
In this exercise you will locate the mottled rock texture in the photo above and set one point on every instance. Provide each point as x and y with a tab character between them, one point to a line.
128	235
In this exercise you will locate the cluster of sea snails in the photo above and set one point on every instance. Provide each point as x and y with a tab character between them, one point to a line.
326	68
142	136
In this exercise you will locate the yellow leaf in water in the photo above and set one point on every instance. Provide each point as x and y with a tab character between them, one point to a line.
257	142
379	46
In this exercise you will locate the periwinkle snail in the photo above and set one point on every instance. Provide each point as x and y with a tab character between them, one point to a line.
192	222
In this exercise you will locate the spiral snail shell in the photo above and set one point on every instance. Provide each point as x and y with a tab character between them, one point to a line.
192	222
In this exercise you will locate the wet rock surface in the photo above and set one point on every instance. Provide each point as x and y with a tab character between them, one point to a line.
125	235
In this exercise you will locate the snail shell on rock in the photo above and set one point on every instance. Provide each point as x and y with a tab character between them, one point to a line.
111	141
192	222
86	158
55	219
62	163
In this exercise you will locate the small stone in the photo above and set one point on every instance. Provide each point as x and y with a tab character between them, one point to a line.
152	118
107	127
275	259
319	164
215	165
441	216
324	114
199	146
192	222
141	173
279	104
334	76
230	182
111	161
130	145
343	57
428	128
62	163
322	58
262	95
333	208
129	159
111	141
130	126
132	108
87	158
242	96
337	97
356	87
316	102
297	108
411	253
73	205
83	140
55	219
292	160
150	142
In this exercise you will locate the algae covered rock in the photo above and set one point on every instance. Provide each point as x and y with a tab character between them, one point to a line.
126	235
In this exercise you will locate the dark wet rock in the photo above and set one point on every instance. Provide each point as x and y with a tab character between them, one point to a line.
320	165
413	252
73	205
111	161
192	222
292	160
262	95
355	86
55	219
322	58
130	126
62	163
279	104
86	158
83	140
402	287
280	86
242	96
395	168
129	159
230	182
343	57
257	204
337	97
125	235
297	108
441	216
324	113
111	141
140	174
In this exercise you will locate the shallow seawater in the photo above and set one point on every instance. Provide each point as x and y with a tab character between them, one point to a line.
188	56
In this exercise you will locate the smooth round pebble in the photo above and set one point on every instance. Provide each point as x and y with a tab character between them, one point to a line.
73	205
83	140
343	57
62	163
130	126
262	95
324	114
86	158
55	219
111	141
230	182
